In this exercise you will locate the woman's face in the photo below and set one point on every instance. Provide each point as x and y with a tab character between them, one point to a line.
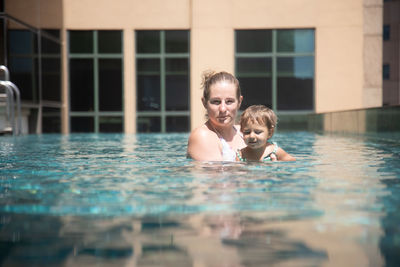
222	106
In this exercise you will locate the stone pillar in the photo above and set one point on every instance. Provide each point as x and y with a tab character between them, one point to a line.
372	53
129	82
212	47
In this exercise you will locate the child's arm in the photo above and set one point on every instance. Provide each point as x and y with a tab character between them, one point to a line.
284	156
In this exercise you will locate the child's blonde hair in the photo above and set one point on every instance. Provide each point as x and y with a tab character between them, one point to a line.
260	114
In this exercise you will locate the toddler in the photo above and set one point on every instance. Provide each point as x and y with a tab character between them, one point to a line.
257	124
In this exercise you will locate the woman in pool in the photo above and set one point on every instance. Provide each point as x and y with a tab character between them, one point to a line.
257	124
218	138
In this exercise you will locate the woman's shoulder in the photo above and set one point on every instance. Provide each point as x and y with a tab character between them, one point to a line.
202	135
201	132
203	144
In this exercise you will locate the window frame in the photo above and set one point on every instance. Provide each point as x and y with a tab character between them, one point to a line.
274	55
96	56
163	114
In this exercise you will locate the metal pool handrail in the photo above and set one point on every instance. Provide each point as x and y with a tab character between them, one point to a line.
6	72
12	90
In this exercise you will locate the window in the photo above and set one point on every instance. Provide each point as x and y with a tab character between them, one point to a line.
23	63
35	67
162	71
386	32
51	120
276	68
51	67
96	74
386	71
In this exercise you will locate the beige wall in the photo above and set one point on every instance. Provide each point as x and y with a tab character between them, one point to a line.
348	58
38	13
212	47
117	14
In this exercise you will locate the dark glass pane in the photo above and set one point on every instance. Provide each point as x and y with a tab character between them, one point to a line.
177	65
256	91
81	41
148	92
253	41
295	93
36	79
49	46
81	84
253	65
295	83
110	124
148	124
3	31
386	32
82	124
22	75
21	42
386	71
51	124
177	124
110	41
295	40
148	65
177	41
51	81
177	92
147	41
51	120
299	67
54	32
110	84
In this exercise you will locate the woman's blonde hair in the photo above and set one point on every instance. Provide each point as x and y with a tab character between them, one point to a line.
210	78
260	114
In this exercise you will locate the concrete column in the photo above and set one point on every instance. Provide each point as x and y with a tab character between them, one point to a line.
65	129
372	55
129	82
212	47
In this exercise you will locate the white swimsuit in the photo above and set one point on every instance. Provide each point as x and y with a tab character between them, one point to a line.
228	154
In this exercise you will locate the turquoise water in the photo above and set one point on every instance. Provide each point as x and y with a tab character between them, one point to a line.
135	200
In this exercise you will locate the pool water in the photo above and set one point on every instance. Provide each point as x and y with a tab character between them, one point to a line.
136	200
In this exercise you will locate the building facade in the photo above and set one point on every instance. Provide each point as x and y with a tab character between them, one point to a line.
135	66
391	53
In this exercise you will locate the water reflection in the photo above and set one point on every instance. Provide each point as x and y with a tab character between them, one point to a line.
211	240
389	171
114	200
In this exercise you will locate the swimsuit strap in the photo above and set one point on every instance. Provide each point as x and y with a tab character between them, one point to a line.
239	155
227	152
268	157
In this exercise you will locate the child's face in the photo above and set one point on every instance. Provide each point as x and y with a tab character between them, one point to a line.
255	135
